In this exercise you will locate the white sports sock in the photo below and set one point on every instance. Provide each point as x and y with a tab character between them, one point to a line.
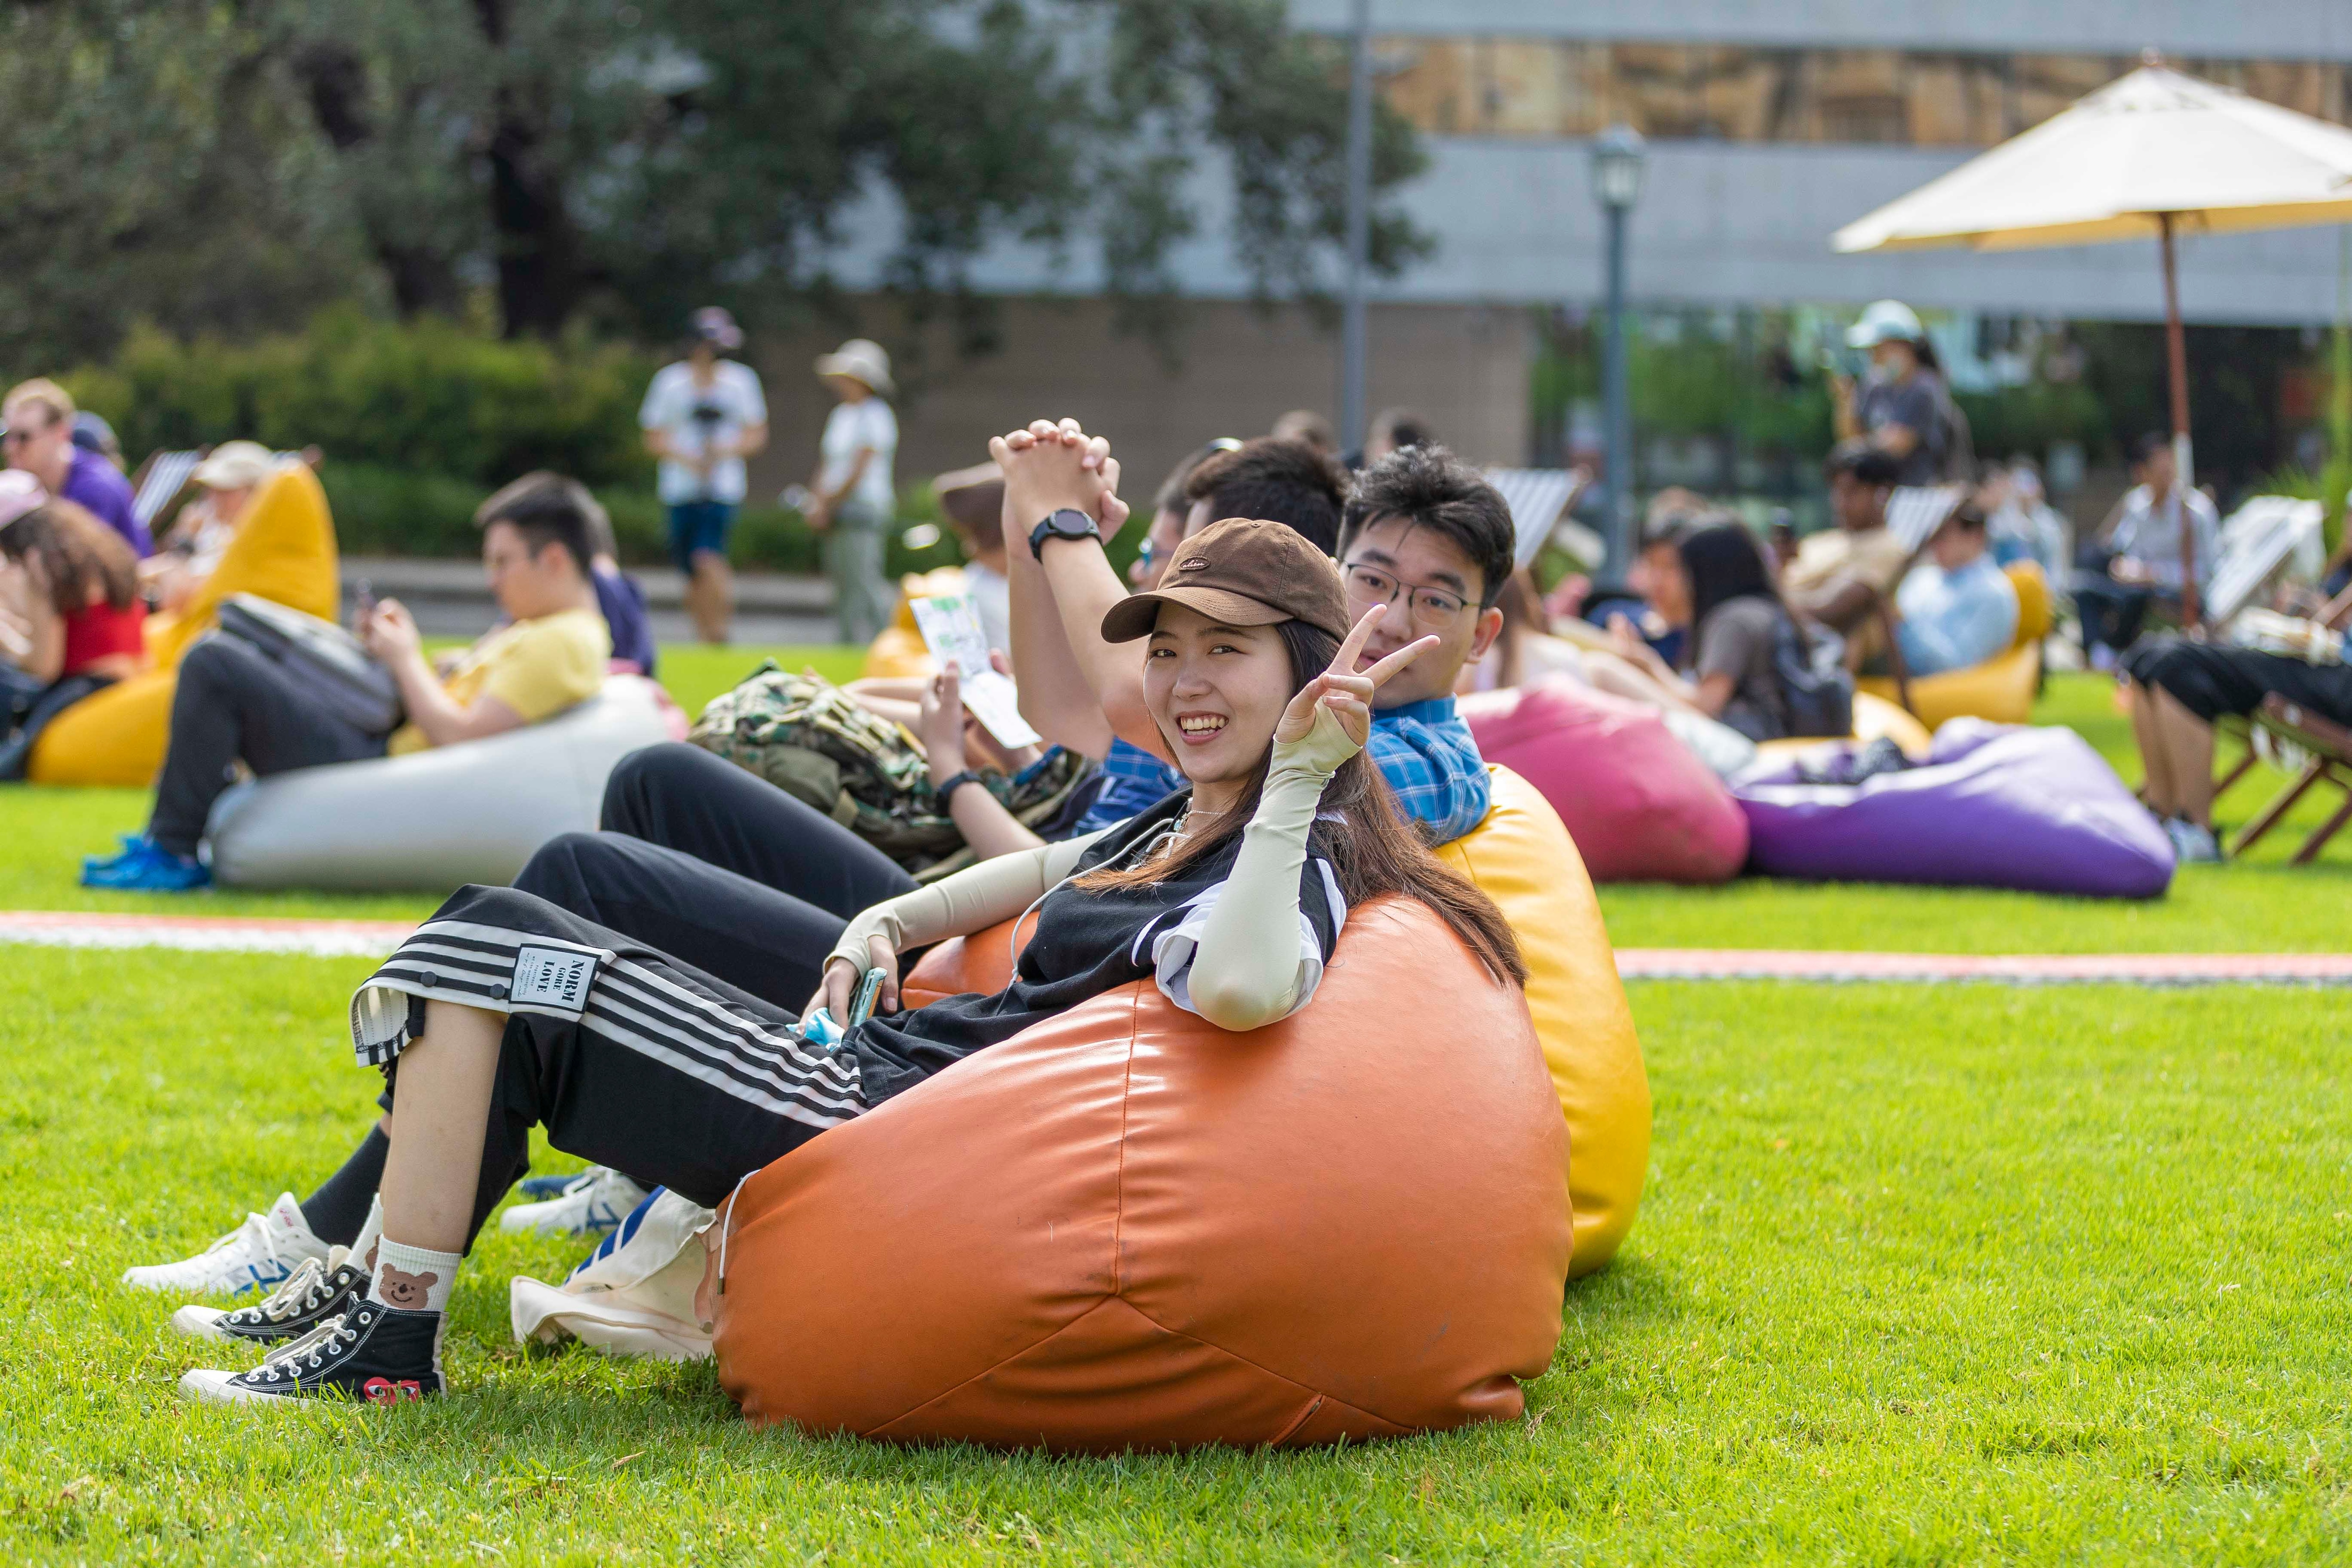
371	1232
413	1278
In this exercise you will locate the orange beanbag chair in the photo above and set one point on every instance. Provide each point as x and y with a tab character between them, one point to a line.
1522	858
284	550
1126	1228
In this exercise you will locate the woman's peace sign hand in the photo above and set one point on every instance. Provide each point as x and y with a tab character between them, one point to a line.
1344	690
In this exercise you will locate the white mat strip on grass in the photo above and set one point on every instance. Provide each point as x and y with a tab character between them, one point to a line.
203	934
372	939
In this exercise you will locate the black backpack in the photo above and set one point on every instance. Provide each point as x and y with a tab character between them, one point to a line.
330	662
1814	678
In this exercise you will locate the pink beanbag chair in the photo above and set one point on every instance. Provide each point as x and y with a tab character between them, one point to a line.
1640	807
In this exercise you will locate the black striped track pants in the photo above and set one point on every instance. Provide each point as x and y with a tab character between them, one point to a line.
626	1055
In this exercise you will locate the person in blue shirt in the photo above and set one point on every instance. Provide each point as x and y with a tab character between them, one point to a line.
1955	607
1419	530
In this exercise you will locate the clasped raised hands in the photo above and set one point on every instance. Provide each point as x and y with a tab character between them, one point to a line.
1048	466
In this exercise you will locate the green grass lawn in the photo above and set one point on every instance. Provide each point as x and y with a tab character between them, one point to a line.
2262	904
1951	1276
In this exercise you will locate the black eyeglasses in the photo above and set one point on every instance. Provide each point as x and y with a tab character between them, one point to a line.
1433	608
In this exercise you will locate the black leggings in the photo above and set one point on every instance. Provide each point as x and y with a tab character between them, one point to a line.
705	861
233	703
2210	681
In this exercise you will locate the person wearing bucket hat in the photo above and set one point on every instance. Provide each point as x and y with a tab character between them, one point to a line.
702	416
84	622
1902	406
1228	896
851	501
191	549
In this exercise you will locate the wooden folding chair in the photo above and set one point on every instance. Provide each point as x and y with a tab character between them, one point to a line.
2230	727
2330	746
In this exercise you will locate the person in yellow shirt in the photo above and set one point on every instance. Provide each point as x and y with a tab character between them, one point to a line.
237	704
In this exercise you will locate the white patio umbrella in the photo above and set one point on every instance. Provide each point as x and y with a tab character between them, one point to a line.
2150	155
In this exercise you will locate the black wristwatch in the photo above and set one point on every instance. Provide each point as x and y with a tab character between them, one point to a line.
946	787
1067	523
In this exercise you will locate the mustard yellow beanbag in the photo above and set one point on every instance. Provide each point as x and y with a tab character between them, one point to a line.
899	652
1523	858
2001	688
1873	717
284	550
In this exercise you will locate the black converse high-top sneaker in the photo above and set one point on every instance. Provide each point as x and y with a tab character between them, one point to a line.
310	1295
372	1353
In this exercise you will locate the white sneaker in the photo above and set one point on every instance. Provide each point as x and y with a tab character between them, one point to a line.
2192	845
598	1199
264	1251
635	1294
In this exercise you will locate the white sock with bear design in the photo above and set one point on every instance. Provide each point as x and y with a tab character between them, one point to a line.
413	1278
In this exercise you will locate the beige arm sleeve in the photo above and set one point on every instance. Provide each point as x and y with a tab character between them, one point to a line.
1251	967
972	899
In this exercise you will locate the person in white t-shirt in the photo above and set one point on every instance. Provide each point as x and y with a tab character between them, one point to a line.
702	416
851	503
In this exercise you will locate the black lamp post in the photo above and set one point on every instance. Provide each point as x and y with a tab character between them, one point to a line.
1618	154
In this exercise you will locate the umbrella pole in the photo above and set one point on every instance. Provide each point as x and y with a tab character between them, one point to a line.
2184	459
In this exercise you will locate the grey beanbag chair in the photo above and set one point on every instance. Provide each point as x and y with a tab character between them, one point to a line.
468	813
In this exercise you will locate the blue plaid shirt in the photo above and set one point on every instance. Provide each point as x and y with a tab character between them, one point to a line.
1423	749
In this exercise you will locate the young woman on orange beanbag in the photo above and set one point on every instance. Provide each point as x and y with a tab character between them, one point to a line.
1229	900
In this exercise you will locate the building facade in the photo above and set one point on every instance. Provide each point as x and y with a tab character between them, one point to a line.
1771	122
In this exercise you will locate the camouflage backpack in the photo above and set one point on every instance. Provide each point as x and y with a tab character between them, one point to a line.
810	739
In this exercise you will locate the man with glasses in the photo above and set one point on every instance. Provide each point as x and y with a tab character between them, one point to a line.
1420	531
36	421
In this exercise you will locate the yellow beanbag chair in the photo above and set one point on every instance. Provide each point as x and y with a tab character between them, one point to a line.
284	550
899	653
2001	689
1873	717
1523	858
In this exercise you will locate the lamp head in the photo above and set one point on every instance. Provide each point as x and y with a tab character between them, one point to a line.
1618	156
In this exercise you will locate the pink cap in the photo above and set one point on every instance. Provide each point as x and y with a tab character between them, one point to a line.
20	492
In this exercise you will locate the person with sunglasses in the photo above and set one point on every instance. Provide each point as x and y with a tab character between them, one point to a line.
36	431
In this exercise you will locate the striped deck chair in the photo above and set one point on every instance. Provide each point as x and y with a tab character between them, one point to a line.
1539	500
160	479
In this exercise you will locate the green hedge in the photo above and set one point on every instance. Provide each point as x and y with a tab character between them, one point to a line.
392	511
428	397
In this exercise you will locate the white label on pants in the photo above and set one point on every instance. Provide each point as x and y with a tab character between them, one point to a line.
552	977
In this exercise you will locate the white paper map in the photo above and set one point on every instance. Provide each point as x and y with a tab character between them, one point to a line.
951	627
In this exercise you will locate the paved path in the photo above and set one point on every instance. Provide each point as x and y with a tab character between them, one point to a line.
450	598
328	938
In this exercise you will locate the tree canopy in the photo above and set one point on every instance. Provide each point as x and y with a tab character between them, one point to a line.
229	165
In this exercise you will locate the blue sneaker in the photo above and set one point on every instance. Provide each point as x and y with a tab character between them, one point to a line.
145	867
537	1187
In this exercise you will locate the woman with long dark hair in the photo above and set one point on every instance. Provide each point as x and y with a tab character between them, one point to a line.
504	1011
1716	582
85	627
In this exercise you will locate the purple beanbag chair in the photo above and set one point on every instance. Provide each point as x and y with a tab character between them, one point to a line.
1995	806
1640	807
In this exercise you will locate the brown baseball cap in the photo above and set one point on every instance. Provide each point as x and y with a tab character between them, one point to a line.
1244	572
